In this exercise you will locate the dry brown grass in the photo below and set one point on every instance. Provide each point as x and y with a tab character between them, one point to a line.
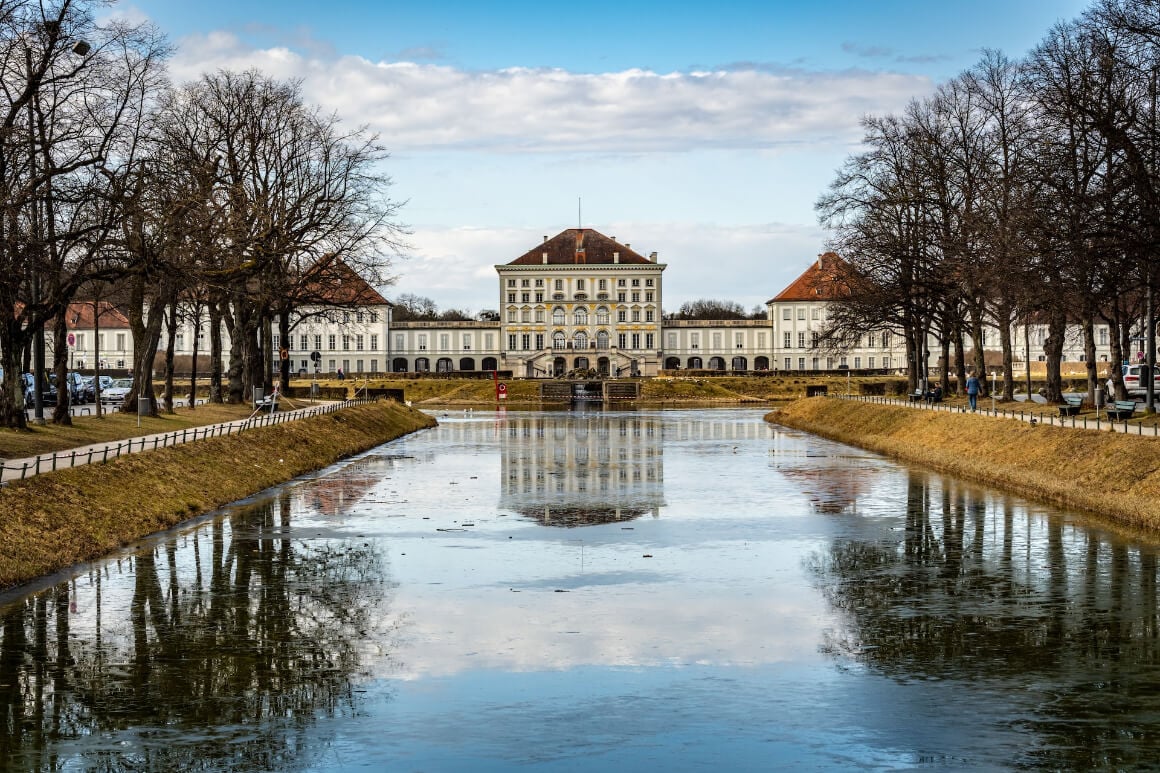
1113	475
56	520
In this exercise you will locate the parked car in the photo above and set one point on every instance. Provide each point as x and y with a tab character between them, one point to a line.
1132	380
116	391
90	389
47	391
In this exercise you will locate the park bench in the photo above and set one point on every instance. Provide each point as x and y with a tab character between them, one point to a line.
917	396
1121	409
1072	404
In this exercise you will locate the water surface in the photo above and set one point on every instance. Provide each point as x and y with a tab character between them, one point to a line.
671	590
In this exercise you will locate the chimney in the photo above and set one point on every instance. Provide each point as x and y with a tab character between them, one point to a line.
627	246
616	257
545	258
652	256
545	237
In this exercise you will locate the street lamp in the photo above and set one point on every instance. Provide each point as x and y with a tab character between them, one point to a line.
994	381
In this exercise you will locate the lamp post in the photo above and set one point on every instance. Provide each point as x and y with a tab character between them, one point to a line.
994	381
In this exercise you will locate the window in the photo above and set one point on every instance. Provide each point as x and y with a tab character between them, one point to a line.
558	315
444	342
648	283
331	363
716	340
526	341
80	344
345	320
511	283
511	297
620	283
512	341
636	297
787	313
524	282
1103	337
400	342
330	339
488	341
374	366
539	283
580	285
539	340
886	341
539	315
648	297
761	340
466	342
857	363
672	340
815	363
346	342
318	342
180	337
636	283
886	363
739	341
511	315
788	362
602	315
358	317
121	341
558	285
801	363
621	315
648	340
558	340
525	315
814	315
649	315
602	284
525	297
580	340
870	363
539	297
358	342
801	339
620	297
786	335
374	345
694	340
870	339
602	339
580	316
422	342
636	340
636	315
374	319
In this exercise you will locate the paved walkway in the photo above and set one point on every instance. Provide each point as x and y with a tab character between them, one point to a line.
16	469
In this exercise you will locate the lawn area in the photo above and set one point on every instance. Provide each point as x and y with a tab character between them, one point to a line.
86	430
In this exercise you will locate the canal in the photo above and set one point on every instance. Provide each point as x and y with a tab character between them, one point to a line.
669	590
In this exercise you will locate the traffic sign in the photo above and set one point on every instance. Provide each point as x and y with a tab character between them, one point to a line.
316	356
284	353
72	340
501	390
1139	355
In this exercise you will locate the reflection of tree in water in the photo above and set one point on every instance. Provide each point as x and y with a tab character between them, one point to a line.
1062	633
220	660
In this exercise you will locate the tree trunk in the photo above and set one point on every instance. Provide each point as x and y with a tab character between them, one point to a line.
61	414
1053	350
215	350
170	343
1089	357
193	362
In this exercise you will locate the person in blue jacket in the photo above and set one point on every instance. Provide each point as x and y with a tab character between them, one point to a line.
973	387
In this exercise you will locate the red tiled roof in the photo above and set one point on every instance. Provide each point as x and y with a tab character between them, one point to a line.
822	281
336	282
577	246
80	316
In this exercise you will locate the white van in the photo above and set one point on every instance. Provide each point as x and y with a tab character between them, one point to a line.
1132	380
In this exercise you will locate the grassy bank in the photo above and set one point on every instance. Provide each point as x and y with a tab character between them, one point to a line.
1113	475
53	521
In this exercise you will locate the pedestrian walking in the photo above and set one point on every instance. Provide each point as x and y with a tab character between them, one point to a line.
973	387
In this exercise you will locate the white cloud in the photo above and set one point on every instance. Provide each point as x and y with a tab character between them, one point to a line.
424	106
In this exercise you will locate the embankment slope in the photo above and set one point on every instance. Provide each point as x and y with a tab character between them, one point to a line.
56	520
1113	475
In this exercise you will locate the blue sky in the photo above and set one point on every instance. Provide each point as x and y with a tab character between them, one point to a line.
704	132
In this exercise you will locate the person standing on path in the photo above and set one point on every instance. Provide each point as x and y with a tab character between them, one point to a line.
973	387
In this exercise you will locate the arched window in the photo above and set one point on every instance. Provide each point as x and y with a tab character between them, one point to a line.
580	340
444	365
558	339
580	316
602	339
558	317
602	315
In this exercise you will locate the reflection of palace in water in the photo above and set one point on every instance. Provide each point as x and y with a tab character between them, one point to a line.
582	470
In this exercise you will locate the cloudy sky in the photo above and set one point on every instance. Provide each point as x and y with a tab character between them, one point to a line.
701	131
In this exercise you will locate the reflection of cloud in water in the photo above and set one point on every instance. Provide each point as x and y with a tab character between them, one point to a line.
541	630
